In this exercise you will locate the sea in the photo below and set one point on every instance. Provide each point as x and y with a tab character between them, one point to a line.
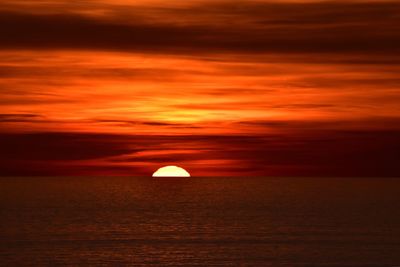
231	221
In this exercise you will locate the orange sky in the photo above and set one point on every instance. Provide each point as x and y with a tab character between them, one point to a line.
198	71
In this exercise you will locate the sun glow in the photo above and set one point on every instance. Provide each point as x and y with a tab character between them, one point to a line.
171	171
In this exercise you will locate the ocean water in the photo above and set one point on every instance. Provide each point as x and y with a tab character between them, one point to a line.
90	221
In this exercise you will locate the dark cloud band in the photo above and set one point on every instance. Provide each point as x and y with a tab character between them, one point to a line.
257	28
307	153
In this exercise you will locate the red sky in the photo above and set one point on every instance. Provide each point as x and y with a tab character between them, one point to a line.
221	88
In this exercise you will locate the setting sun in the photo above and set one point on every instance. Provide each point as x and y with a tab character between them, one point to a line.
171	171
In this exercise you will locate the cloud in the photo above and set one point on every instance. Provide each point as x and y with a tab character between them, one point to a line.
221	27
49	72
144	123
234	88
307	153
20	117
55	147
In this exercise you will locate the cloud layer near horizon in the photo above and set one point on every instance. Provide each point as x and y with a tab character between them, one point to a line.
322	153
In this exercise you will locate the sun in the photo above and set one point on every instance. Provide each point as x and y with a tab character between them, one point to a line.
171	171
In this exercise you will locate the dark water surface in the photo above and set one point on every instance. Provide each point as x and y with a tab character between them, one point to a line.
200	222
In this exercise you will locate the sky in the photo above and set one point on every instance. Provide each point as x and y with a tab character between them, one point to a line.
221	88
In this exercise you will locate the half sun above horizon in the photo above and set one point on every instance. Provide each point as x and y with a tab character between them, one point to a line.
171	171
